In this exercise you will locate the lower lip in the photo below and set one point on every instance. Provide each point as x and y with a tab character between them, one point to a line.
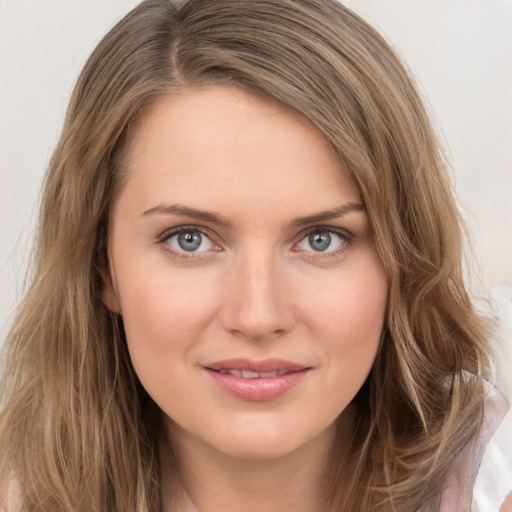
260	389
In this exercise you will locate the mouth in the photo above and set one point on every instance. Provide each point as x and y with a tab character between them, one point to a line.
256	380
249	374
250	367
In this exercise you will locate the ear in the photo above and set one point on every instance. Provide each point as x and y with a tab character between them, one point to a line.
109	294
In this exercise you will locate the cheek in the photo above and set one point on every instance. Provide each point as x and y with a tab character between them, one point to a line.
347	319
352	307
165	316
165	311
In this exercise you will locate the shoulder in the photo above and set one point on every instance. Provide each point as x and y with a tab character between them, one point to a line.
494	479
507	504
458	495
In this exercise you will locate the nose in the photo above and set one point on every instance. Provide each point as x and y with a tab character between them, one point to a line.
258	303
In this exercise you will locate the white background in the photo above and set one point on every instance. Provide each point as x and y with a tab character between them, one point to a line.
459	51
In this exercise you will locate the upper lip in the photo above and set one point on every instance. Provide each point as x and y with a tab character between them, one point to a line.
267	365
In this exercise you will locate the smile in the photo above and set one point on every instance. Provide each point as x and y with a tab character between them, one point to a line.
256	380
249	374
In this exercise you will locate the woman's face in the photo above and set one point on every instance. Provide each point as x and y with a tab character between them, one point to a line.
245	272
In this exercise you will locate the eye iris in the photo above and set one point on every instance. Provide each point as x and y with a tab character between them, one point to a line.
189	241
320	240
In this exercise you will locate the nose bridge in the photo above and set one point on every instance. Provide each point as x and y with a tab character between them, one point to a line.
258	303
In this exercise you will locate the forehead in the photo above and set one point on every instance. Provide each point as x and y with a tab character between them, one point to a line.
218	143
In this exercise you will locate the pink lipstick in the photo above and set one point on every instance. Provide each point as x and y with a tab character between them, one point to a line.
256	380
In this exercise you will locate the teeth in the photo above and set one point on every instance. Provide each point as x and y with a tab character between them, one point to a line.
249	374
268	374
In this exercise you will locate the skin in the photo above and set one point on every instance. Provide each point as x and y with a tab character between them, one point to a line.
257	288
507	504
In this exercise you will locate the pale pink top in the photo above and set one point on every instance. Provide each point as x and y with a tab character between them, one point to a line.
458	495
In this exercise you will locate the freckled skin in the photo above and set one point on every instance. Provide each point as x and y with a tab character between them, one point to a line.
257	289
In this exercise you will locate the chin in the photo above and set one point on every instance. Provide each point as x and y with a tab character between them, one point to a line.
271	441
262	448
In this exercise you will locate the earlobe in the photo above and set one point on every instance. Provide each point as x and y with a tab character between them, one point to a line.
109	294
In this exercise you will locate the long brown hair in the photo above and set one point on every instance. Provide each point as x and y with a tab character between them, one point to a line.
77	431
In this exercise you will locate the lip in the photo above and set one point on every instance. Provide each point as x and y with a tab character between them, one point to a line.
261	388
267	365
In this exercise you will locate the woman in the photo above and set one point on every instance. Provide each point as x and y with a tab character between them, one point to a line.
248	290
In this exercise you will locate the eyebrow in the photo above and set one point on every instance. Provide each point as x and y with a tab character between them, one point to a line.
186	211
333	213
205	216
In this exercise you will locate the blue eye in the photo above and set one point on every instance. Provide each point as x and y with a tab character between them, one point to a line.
190	240
322	240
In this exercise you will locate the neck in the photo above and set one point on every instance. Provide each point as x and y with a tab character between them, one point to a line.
211	481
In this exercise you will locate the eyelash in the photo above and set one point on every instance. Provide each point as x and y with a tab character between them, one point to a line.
163	240
347	239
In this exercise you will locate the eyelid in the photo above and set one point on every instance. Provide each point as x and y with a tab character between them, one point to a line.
346	235
168	233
